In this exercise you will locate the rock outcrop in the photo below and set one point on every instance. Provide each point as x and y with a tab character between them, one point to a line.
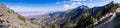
11	19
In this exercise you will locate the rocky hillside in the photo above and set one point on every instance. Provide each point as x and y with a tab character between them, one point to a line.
81	17
11	19
106	16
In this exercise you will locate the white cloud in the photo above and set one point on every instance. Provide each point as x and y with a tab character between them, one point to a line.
79	3
76	3
84	3
66	6
116	1
91	5
73	3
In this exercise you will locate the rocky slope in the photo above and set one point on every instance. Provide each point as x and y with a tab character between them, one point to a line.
11	19
79	17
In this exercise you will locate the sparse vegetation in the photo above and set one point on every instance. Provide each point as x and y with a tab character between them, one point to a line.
93	20
98	14
54	26
82	23
10	11
22	25
108	8
71	25
85	15
21	17
86	20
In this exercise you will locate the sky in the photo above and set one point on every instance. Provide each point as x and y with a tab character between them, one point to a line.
33	7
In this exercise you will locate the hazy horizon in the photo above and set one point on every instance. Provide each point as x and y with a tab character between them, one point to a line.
33	7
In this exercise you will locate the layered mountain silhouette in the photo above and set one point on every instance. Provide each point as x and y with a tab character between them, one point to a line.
106	16
83	17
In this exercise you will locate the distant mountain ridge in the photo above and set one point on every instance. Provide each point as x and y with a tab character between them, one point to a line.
79	17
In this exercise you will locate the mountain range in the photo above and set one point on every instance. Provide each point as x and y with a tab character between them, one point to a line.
81	17
106	16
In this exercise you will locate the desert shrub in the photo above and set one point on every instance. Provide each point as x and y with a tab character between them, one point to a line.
54	26
85	15
8	11
71	25
85	21
21	17
93	20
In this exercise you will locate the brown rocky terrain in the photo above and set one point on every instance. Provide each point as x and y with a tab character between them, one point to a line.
11	19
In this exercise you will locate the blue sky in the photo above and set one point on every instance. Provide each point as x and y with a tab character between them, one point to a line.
29	7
